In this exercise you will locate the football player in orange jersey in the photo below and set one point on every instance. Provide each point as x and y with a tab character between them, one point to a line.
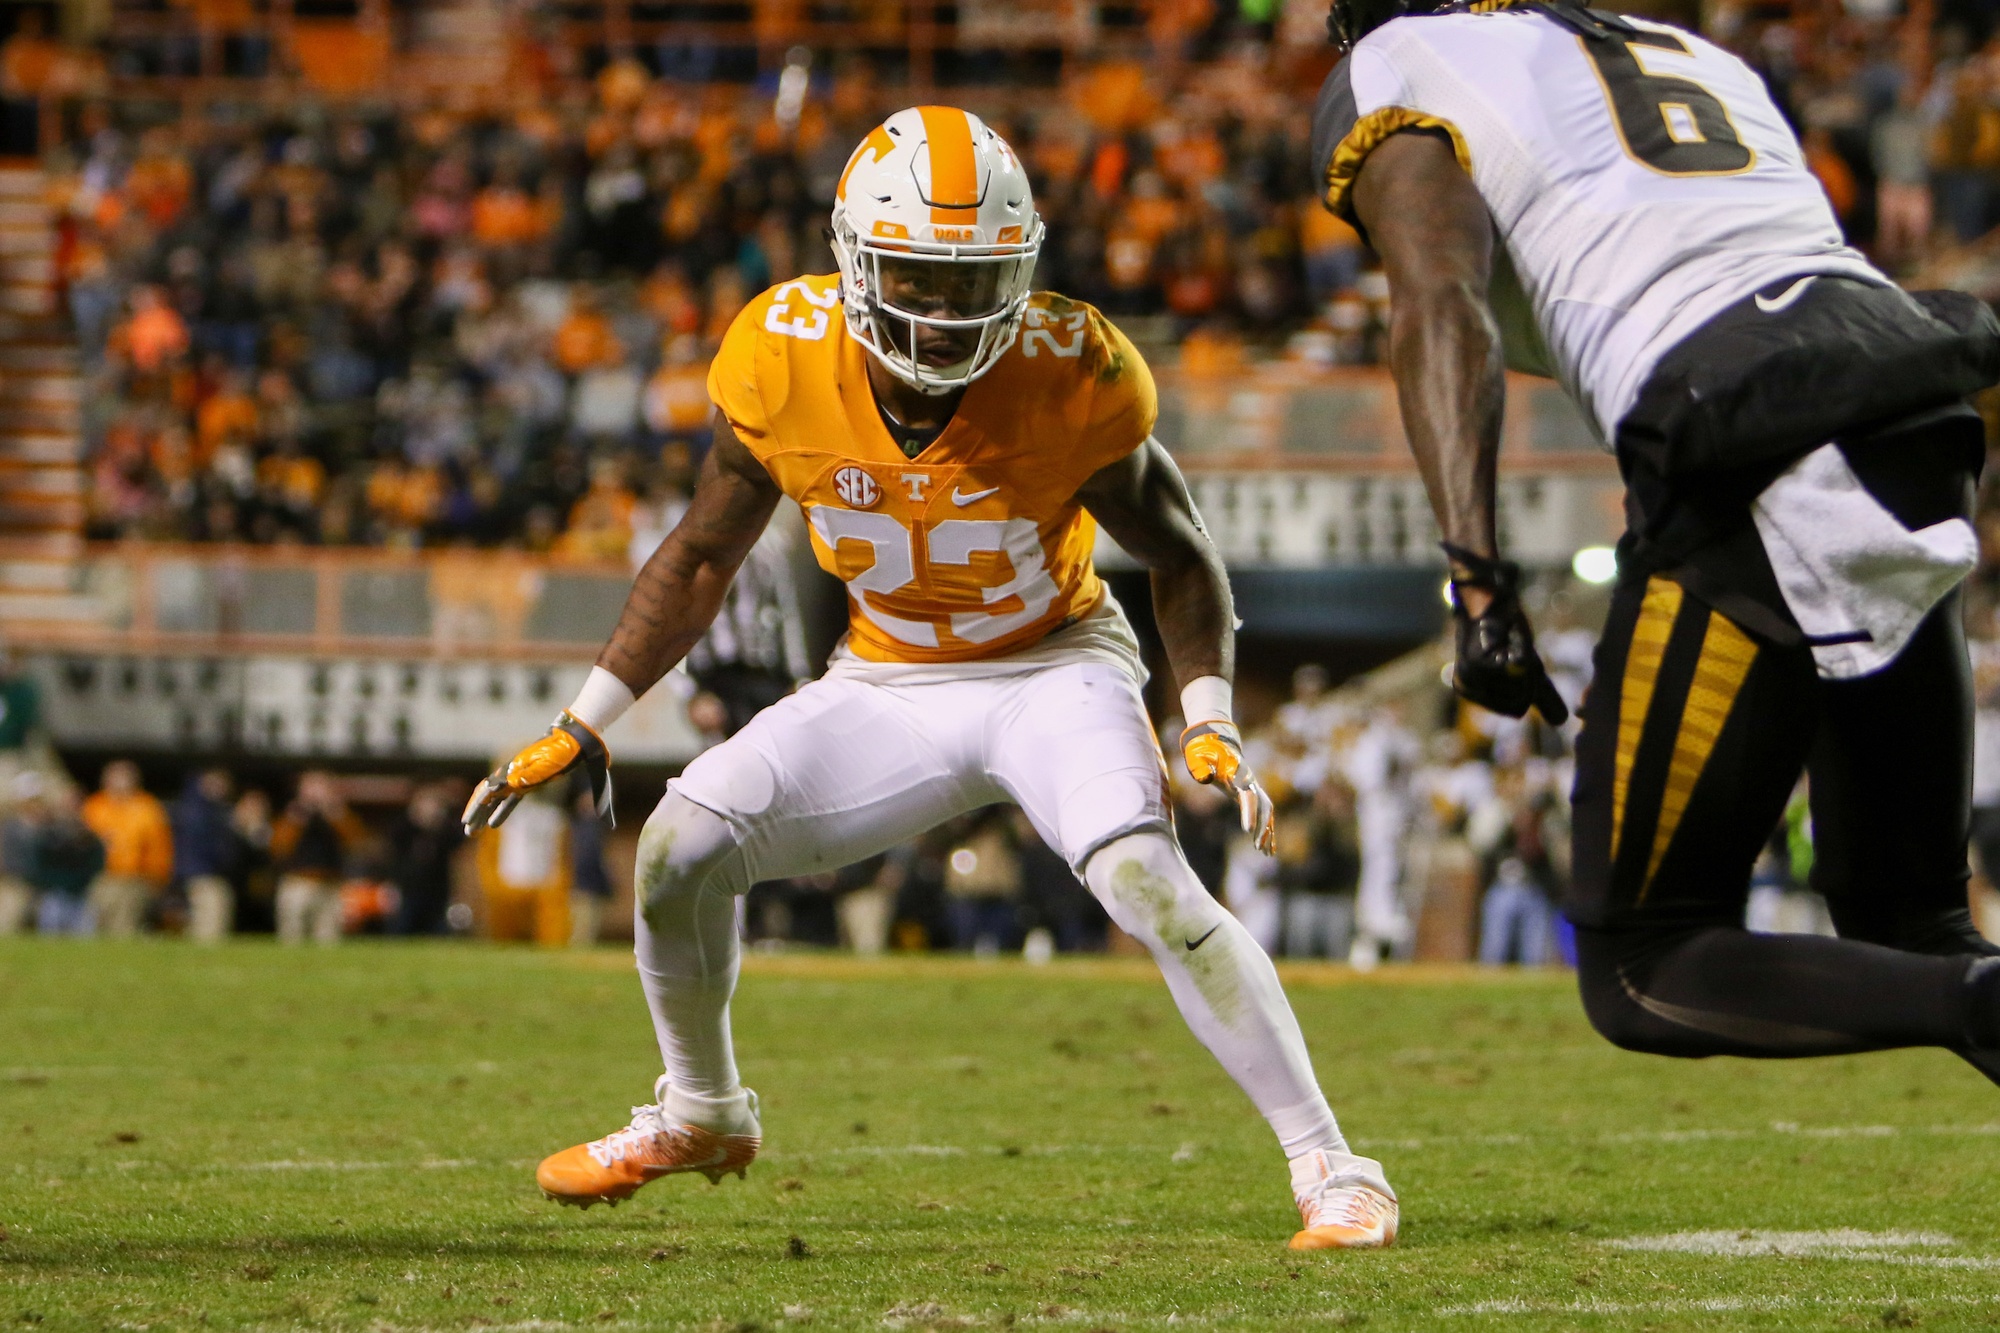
953	438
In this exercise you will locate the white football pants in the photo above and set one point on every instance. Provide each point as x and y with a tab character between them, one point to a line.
844	769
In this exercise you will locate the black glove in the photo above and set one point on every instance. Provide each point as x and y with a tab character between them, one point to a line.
1498	667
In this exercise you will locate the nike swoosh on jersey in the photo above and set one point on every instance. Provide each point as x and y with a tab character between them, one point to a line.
961	499
1192	945
1772	305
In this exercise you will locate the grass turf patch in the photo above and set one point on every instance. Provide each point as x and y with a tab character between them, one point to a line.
247	1137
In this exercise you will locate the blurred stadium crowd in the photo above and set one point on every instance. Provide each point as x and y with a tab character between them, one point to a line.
445	329
307	325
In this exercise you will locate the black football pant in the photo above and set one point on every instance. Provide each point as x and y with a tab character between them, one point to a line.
1694	735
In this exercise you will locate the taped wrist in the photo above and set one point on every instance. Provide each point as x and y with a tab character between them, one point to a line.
603	700
1207	699
1469	569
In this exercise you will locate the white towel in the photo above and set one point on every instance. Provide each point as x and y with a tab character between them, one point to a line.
1849	570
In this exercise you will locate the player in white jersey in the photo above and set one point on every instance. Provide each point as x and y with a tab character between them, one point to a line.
1619	204
953	438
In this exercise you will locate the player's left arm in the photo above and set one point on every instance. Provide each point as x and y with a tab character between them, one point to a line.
1143	502
1427	221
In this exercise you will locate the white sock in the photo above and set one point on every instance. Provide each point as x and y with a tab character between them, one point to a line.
1227	991
690	871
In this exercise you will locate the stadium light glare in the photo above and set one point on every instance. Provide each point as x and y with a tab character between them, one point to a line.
1595	564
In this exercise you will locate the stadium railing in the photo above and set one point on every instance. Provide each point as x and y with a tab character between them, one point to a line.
337	601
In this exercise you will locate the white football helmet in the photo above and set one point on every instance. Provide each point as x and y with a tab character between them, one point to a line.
935	227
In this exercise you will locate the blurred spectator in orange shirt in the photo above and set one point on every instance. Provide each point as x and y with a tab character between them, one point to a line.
1196	266
677	395
1171	24
1189	156
30	60
584	339
1153	211
292	479
156	334
311	842
1332	253
404	499
1107	168
160	183
229	413
1965	148
138	849
671	300
503	214
600	522
1835	176
1115	96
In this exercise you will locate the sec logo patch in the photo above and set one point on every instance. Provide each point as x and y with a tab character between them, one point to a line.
856	488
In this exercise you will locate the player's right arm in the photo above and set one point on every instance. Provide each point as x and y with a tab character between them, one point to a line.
675	597
680	589
1426	220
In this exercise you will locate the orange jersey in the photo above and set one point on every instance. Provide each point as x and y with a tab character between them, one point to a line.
977	547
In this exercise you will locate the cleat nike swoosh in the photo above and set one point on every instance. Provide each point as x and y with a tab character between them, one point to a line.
1772	305
716	1158
961	499
1192	945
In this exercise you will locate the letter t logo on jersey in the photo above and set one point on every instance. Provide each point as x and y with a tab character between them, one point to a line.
916	481
856	488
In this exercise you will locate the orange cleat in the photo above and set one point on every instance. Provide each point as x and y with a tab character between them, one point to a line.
614	1167
1345	1217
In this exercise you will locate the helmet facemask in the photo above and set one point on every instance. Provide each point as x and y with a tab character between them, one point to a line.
905	298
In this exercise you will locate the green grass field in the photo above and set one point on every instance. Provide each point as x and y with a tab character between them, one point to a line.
346	1139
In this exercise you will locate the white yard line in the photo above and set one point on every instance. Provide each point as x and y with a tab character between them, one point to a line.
429	1164
1696	1134
1881	1247
1713	1304
1842	1242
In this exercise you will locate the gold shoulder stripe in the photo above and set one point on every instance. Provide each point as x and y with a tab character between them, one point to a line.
1368	134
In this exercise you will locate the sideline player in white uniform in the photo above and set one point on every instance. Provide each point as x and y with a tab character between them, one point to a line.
951	437
1619	204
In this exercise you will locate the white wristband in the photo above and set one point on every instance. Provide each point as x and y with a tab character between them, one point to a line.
602	700
1205	699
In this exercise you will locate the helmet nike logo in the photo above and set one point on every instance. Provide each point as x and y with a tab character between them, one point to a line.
961	499
1773	305
1192	945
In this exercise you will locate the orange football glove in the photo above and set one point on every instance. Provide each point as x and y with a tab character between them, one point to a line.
1214	754
568	744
